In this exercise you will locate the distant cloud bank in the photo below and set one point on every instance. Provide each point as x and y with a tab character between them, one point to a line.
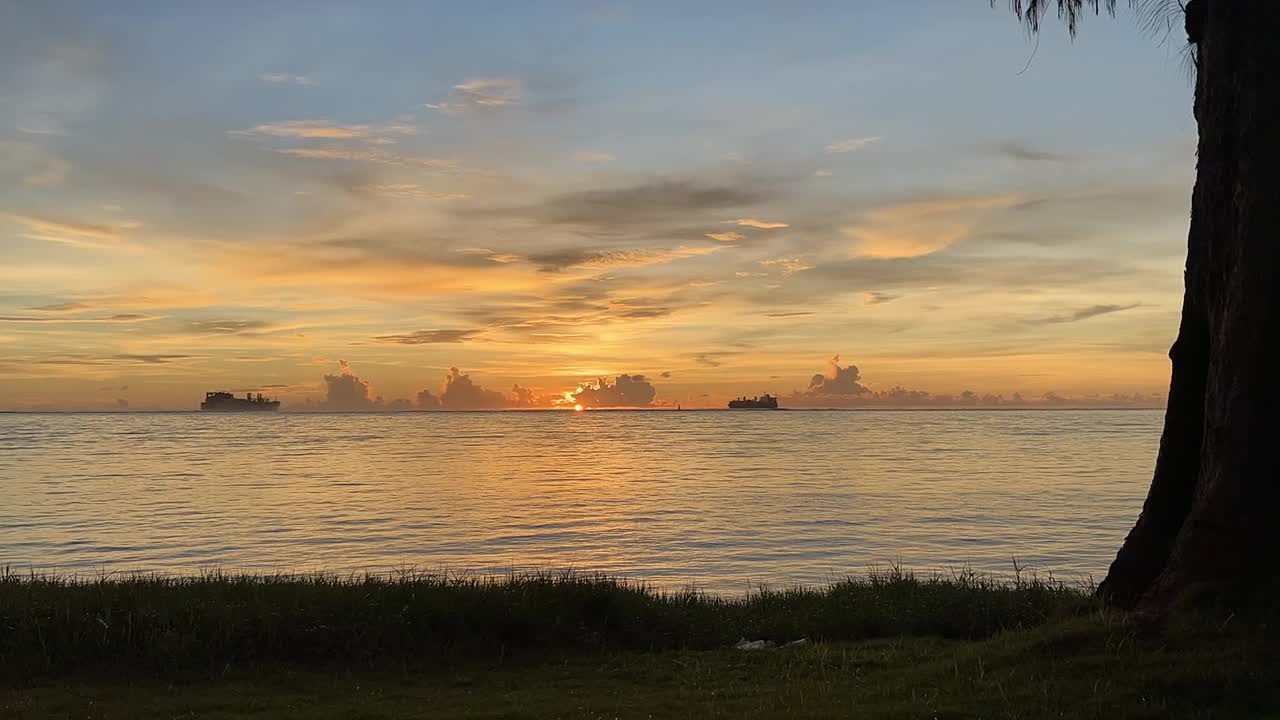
842	387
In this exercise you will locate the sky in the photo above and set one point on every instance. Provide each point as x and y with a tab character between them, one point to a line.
491	205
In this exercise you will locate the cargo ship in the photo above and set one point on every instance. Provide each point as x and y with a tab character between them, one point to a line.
764	402
226	402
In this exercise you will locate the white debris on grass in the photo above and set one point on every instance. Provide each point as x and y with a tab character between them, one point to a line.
745	644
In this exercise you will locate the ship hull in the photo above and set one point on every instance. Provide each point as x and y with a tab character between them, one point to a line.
240	407
737	405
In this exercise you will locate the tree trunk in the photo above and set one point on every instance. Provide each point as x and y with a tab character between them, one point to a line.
1211	516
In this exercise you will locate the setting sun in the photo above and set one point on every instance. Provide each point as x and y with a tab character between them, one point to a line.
578	408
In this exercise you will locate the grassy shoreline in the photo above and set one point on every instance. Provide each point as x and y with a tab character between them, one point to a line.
887	645
56	625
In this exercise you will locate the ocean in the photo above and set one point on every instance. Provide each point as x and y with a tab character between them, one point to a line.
724	501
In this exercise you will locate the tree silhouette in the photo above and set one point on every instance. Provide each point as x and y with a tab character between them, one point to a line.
1210	519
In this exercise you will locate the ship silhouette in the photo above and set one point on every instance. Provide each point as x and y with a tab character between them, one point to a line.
763	402
226	402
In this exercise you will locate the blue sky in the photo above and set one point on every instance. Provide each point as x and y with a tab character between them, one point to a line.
718	197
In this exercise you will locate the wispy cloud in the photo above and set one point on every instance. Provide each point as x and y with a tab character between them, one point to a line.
592	157
602	259
1082	314
787	266
365	155
759	224
32	163
225	327
651	208
281	78
852	144
477	94
94	236
329	130
428	337
121	359
714	359
924	226
412	191
1021	151
726	237
62	307
877	298
54	172
72	319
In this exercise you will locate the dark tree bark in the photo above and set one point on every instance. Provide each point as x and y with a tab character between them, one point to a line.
1212	516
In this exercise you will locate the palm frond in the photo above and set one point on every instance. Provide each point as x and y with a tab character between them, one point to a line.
1031	12
1155	16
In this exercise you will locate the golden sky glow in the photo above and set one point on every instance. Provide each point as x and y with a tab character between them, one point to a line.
423	222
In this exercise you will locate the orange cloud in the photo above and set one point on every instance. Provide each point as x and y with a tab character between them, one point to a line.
93	236
327	130
761	224
593	157
726	236
922	227
373	156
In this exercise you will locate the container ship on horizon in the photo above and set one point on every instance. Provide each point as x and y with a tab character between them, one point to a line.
226	402
764	402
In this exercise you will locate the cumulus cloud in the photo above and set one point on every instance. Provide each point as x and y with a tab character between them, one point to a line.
523	397
345	392
625	391
843	387
852	145
479	94
427	400
461	393
838	380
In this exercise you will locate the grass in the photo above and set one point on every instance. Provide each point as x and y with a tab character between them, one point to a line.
887	645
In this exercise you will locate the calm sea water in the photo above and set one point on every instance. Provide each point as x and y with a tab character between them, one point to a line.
717	499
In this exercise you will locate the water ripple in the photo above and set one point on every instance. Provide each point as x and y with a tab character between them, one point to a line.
721	500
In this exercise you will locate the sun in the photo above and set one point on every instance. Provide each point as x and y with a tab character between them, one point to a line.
578	408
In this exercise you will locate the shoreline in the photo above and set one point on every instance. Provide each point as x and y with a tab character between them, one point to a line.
886	646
